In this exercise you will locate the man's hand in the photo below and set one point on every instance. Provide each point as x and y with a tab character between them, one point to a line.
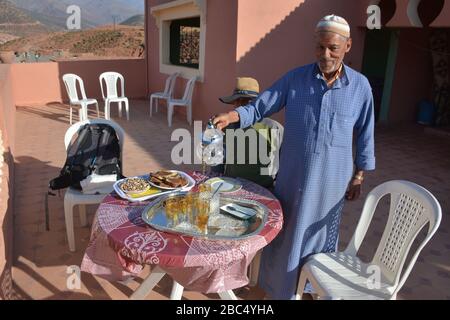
225	119
354	190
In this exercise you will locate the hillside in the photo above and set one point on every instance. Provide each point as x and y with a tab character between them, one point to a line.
40	25
137	21
103	41
18	22
93	12
6	37
10	14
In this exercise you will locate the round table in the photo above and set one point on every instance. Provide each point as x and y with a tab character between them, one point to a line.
121	243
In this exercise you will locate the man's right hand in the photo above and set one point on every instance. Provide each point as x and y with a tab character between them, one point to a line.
225	119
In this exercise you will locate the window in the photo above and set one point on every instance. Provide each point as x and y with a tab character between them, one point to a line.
182	37
185	42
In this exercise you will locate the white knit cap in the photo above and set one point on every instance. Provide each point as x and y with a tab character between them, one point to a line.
333	23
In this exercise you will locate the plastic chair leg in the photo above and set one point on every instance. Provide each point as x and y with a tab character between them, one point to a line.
151	107
170	114
120	109
83	218
98	110
107	111
189	114
301	285
84	110
68	214
177	291
71	116
81	115
127	108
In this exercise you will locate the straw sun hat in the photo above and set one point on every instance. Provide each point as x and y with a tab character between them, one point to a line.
245	88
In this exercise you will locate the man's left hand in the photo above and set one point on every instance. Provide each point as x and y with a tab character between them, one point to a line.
354	190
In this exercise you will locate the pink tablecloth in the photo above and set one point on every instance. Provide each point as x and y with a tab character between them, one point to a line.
121	244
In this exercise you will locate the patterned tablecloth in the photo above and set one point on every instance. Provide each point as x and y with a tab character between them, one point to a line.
121	244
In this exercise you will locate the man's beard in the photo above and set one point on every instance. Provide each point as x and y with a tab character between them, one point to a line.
328	66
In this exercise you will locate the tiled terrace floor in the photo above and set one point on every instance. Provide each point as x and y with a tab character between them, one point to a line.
42	257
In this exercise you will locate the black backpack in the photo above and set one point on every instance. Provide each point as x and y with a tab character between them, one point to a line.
96	149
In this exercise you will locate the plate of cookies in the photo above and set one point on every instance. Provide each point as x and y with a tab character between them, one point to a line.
169	179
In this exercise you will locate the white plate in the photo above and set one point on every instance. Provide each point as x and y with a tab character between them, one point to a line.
226	184
134	192
123	195
181	173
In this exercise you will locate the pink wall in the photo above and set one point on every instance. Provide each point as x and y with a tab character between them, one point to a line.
436	12
443	20
400	19
291	43
220	58
257	19
7	111
37	83
7	128
413	75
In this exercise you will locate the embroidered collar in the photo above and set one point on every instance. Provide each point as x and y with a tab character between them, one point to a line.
341	77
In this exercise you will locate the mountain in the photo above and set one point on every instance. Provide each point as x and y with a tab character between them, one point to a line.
93	12
137	20
10	14
52	12
23	18
15	21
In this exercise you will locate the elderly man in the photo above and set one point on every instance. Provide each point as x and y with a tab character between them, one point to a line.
325	103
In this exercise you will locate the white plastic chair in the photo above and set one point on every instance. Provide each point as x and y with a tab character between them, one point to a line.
70	81
166	95
186	101
111	94
276	142
343	275
75	197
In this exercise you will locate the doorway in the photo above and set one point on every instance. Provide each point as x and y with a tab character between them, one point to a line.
377	51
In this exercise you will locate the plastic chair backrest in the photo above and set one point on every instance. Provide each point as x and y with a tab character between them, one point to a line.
170	84
411	208
276	141
111	79
70	81
189	91
74	129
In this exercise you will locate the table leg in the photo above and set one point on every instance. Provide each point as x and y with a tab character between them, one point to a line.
177	291
228	295
147	286
254	269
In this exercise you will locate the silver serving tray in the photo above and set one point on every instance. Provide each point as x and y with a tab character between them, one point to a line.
221	226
